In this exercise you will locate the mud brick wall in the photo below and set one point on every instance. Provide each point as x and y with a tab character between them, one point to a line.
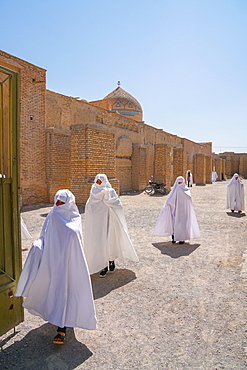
208	169
57	161
139	177
92	152
200	169
32	128
179	163
218	168
243	166
162	164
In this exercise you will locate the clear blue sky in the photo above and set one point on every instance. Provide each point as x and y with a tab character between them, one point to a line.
185	61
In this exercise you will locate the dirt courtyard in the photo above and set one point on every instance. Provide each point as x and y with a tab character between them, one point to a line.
181	307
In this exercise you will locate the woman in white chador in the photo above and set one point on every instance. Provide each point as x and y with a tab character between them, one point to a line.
55	278
106	232
177	217
235	194
189	178
214	176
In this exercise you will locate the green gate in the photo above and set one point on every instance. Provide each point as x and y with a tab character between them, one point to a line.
11	311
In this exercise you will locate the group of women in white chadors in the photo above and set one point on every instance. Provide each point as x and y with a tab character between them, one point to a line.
55	279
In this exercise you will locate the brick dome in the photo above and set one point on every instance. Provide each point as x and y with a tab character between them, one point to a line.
124	103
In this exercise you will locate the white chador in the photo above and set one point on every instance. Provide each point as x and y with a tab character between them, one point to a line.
25	235
214	176
106	233
55	278
177	216
235	194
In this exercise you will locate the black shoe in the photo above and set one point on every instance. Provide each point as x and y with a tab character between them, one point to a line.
112	266
103	272
181	242
173	241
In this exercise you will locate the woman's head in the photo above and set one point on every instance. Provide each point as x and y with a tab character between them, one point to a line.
63	196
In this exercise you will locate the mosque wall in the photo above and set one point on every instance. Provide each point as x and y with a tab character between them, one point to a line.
65	141
209	169
162	164
199	176
57	161
235	163
179	162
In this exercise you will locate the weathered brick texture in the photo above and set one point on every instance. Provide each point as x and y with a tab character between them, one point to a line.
199	169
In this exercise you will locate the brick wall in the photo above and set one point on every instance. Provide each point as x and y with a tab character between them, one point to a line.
92	152
138	159
199	169
179	163
162	164
208	169
32	128
218	168
57	161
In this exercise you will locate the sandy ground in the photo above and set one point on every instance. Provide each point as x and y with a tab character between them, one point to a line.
179	307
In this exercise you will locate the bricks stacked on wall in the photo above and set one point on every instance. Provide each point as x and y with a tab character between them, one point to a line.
162	164
179	162
92	152
57	161
208	169
200	169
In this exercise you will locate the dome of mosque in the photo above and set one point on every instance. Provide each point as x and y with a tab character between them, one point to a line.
124	103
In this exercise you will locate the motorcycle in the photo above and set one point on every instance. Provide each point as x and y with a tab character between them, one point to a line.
154	187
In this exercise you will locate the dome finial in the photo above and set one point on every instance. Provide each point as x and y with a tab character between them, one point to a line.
118	83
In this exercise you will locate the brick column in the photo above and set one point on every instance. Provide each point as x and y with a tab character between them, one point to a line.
200	169
208	169
138	159
179	163
162	164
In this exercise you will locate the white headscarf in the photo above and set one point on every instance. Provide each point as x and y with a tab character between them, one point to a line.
104	181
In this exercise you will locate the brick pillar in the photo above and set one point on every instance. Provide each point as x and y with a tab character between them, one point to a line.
92	152
208	169
57	161
200	169
138	159
179	163
162	164
218	168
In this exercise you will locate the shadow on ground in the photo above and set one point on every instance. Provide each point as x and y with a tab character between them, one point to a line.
103	286
176	250
234	214
36	351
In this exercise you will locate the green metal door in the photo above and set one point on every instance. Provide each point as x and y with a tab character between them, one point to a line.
11	311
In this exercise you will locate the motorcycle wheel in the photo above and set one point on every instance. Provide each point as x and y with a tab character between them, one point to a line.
164	190
149	190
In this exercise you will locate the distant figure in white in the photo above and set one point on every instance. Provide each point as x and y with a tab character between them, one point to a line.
235	194
106	233
55	278
214	176
25	235
177	217
189	178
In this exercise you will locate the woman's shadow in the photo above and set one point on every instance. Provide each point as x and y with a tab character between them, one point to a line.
36	351
103	286
176	250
